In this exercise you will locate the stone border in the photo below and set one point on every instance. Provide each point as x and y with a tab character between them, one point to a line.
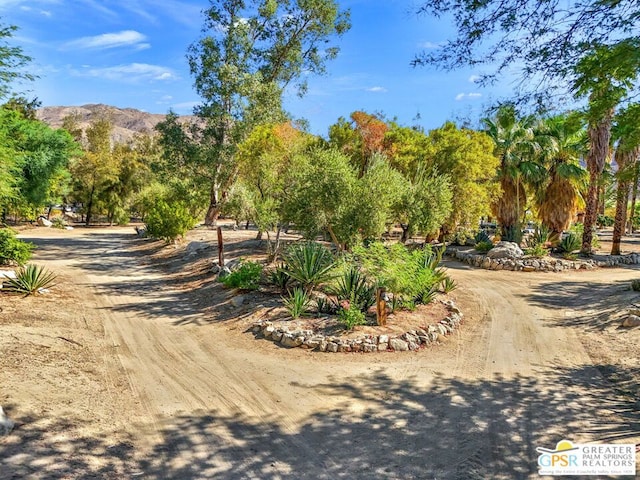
411	340
539	264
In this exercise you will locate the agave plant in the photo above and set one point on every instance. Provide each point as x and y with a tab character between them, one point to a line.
354	286
448	284
309	264
570	243
30	279
280	277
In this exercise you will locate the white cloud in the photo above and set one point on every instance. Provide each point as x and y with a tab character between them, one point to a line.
474	78
377	89
184	107
430	45
462	96
126	38
131	73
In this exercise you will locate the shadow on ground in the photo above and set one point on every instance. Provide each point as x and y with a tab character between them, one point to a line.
383	428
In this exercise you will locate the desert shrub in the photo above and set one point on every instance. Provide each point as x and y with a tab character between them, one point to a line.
309	263
12	249
429	295
297	303
570	243
58	222
461	236
354	286
482	236
280	277
578	230
350	316
169	221
635	285
325	305
511	234
407	274
245	277
30	279
538	250
605	220
483	247
539	237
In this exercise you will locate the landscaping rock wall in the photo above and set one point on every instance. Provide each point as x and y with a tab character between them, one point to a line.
411	340
539	264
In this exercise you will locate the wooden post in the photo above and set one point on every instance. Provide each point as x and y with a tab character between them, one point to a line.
381	306
220	248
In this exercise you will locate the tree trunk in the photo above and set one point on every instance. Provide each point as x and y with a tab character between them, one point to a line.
622	196
405	233
90	207
599	137
634	196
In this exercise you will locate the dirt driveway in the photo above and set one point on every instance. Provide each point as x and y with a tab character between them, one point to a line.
129	369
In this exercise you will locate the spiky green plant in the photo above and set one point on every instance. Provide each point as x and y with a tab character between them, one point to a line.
483	247
30	279
571	243
351	316
428	296
309	264
482	236
280	277
354	286
297	303
448	284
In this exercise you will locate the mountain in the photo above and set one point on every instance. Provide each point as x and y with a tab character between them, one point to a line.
126	121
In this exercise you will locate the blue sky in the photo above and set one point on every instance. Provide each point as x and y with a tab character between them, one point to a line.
131	53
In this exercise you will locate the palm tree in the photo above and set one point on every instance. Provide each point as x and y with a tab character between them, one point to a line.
516	147
563	142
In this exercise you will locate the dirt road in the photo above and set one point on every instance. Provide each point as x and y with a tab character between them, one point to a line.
191	396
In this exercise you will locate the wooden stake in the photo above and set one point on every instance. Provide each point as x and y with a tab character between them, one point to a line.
381	306
220	248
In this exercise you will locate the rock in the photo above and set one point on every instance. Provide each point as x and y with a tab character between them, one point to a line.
323	346
398	345
528	268
631	321
290	341
383	347
195	247
43	222
267	332
6	424
424	339
7	274
332	347
368	348
442	339
486	263
232	265
277	336
505	250
383	339
68	228
238	300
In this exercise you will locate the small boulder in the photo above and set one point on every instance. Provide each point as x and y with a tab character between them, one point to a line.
505	250
6	424
238	300
398	345
43	222
195	247
631	321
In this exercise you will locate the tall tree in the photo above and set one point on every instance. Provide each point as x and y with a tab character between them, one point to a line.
605	76
515	146
563	144
12	61
250	52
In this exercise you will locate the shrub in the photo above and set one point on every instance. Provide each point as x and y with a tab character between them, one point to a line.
246	277
309	263
30	279
324	305
635	285
538	250
605	220
407	274
483	247
12	249
570	243
482	236
280	277
512	234
297	303
350	316
169	222
354	286
448	285
58	222
539	237
428	295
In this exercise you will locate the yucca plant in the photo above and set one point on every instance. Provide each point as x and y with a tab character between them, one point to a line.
428	296
448	284
354	286
309	264
297	303
433	257
30	279
482	236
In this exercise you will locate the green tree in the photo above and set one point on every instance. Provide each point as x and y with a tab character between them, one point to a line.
467	158
250	51
563	145
12	61
515	146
